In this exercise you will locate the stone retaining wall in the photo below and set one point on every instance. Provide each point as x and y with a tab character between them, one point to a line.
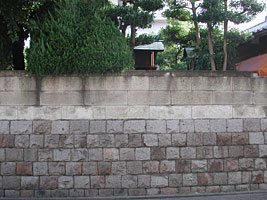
138	133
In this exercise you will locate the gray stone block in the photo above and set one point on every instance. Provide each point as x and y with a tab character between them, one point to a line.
14	155
57	168
173	153
220	152
179	139
97	182
18	98
80	141
129	181
242	83
36	141
22	141
27	193
40	168
148	98
11	182
8	168
60	127
264	124
143	181
76	193
165	139
256	138
21	127
252	124
127	154
135	140
189	179
92	141
106	140
115	126
260	164
121	140
109	98
134	126
59	193
2	155
42	193
81	182
209	139
105	192
62	155
212	83
78	155
51	141
194	139
156	126
130	82
218	125
191	97
12	193
159	181
150	140
79	127
45	155
120	192
95	154
42	127
97	126
263	151
212	112
89	168
167	166
110	154
234	178
113	181
151	167
73	168
199	165
134	167
61	98
236	151
142	154
202	126
173	126
118	168
188	152
187	126
4	127
8	112
167	82
175	180
234	125
29	182
204	152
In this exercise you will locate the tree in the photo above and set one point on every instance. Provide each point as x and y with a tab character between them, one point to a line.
238	11
136	14
77	38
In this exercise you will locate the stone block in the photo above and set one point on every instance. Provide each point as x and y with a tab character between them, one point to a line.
95	154
80	141
252	124
7	141
156	126
110	154
134	126
212	83
135	140
45	155
127	112
73	168
199	165
246	164
51	141
153	191
249	111
8	112
2	155
12	193
104	168
106	140
27	193
42	127
137	192
246	177
228	188
61	98
169	82
191	98
175	180
259	84
62	155
240	138
69	83
242	83
95	83
202	126
264	124
21	127
187	126
236	151
167	166
150	140
234	178
230	165
65	182
198	189
81	182
109	98
113	181
143	181
134	167
179	139
60	193
159	181
115	126
39	112
40	168
158	153
127	83
256	138
118	168
188	153
121	140
173	153
215	165
260	164
213	189
151	167
78	155
89	168
129	181
224	139
142	154
76	193
67	141
18	83
195	139
220	151
209	139
60	127
42	193
56	168
14	155
11	182
263	151
251	151
24	168
164	140
4	127
170	112
97	182
204	179
127	154
97	126
236	97
168	191
82	112
92	141
190	179
148	98
8	168
220	178
79	127
48	182
260	98
173	126
218	125
234	125
36	141
212	112
120	192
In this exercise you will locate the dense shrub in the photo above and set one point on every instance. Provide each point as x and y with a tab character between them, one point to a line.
77	38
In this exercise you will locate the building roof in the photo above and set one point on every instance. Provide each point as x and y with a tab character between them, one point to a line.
259	27
156	46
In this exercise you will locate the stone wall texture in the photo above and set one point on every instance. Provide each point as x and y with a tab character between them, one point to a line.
136	133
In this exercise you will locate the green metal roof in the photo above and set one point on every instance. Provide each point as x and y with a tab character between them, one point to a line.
156	46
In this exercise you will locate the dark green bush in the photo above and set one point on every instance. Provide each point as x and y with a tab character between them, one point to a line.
77	38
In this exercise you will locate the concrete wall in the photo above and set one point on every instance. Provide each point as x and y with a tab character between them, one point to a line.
137	133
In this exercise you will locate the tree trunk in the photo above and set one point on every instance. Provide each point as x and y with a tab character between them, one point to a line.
17	51
225	62
211	50
124	30
133	33
197	33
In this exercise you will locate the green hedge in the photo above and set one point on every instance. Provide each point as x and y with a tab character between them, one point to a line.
77	38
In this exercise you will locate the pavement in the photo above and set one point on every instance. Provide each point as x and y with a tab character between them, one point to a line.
260	195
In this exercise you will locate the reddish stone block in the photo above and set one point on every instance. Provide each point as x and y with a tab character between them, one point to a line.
251	151
24	168
213	189
158	154
168	191
257	177
239	138
224	139
183	166
205	179
215	165
230	165
7	141
48	182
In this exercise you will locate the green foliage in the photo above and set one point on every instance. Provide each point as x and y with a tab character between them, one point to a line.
77	38
143	39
